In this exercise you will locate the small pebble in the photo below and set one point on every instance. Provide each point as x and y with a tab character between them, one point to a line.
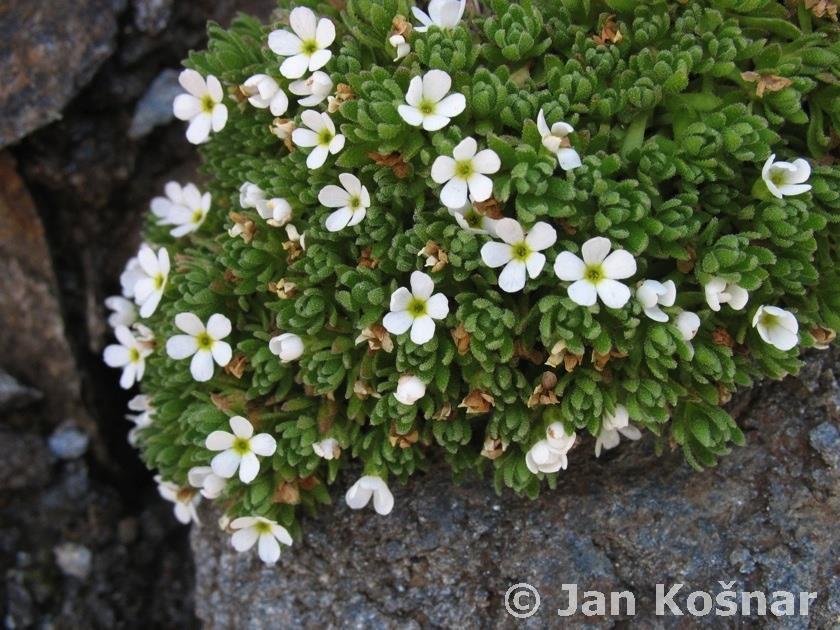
68	442
73	559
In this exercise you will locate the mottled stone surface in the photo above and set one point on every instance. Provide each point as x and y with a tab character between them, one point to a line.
49	51
765	519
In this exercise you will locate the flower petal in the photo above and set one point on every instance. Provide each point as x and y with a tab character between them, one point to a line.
225	463
512	278
568	159
199	128
541	236
434	122
400	299
193	83
185	106
481	187
465	150
244	539
443	169
325	33
284	43
583	292
189	323
496	254
219	441
319	59
219	117
510	231
305	138
612	293
487	162
422	285
535	263
181	346
263	444
339	219
317	158
436	84
422	330
303	22
411	115
453	105
595	250
454	193
249	468
383	501
619	265
357	496
294	67
222	353
397	323
415	92
438	306
268	548
218	326
201	366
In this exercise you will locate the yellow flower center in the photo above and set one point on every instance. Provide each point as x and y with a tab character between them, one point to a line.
241	446
768	320
133	355
309	47
207	104
325	136
473	219
426	107
159	280
354	203
520	251
197	216
262	527
464	169
417	308
594	273
204	341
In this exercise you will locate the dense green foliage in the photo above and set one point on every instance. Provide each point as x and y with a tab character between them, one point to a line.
672	138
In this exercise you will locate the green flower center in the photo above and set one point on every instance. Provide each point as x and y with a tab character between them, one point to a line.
417	307
133	355
204	341
159	281
325	136
594	273
427	107
309	47
262	527
207	104
464	169
197	216
778	178
768	320
473	219
241	446
520	251
354	203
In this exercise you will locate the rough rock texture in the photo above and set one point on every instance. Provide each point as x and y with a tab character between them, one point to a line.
765	518
38	38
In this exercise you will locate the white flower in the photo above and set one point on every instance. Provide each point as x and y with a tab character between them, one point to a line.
321	135
296	237
518	253
352	202
189	215
239	450
150	278
263	92
428	103
416	309
550	455
162	206
369	486
124	312
556	140
597	274
473	221
306	48
185	499
719	291
314	89
129	277
444	14
250	195
786	178
204	345
327	449
267	534
401	46
277	212
287	346
410	389
208	483
688	324
777	327
613	426
202	106
652	294
130	355
142	404
466	170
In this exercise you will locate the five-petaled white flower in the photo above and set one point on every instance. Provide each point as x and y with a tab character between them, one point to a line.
190	216
556	140
150	278
719	291
519	254
410	389
130	275
142	404
185	499
652	294
129	354
416	309
263	92
208	483
265	533
327	448
401	46
786	178
473	221
369	486
314	89
597	274
287	346
204	345
305	49
202	105
444	14
550	454
124	313
320	135
466	170
613	426
428	104
239	450
352	202
777	327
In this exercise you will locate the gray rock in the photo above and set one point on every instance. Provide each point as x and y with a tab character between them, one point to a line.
68	442
50	51
73	559
13	395
25	462
155	108
151	16
825	439
764	518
